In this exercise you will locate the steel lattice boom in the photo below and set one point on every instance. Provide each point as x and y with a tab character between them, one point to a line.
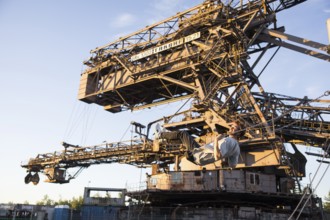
201	54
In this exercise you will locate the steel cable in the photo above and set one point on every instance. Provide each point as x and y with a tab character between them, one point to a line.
302	198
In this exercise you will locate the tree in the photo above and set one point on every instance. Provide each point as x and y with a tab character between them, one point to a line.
74	203
62	202
46	201
326	205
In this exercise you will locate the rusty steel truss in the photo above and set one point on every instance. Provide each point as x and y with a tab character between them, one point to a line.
201	55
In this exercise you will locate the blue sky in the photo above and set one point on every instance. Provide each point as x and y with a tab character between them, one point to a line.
43	45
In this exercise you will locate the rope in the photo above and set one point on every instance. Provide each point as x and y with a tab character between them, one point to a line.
302	198
65	135
122	137
179	109
80	116
75	123
315	189
90	116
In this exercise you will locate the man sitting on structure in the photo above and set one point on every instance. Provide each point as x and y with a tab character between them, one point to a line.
221	148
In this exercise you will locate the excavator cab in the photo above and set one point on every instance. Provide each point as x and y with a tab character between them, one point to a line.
56	175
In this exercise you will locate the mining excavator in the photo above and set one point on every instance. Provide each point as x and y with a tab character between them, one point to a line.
203	55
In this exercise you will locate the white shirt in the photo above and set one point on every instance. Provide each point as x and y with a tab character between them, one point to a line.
228	147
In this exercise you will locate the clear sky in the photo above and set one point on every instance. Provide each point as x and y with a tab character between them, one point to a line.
42	48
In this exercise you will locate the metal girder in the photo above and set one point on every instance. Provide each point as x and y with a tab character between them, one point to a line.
280	5
199	54
271	35
178	82
296	39
175	99
116	71
147	36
